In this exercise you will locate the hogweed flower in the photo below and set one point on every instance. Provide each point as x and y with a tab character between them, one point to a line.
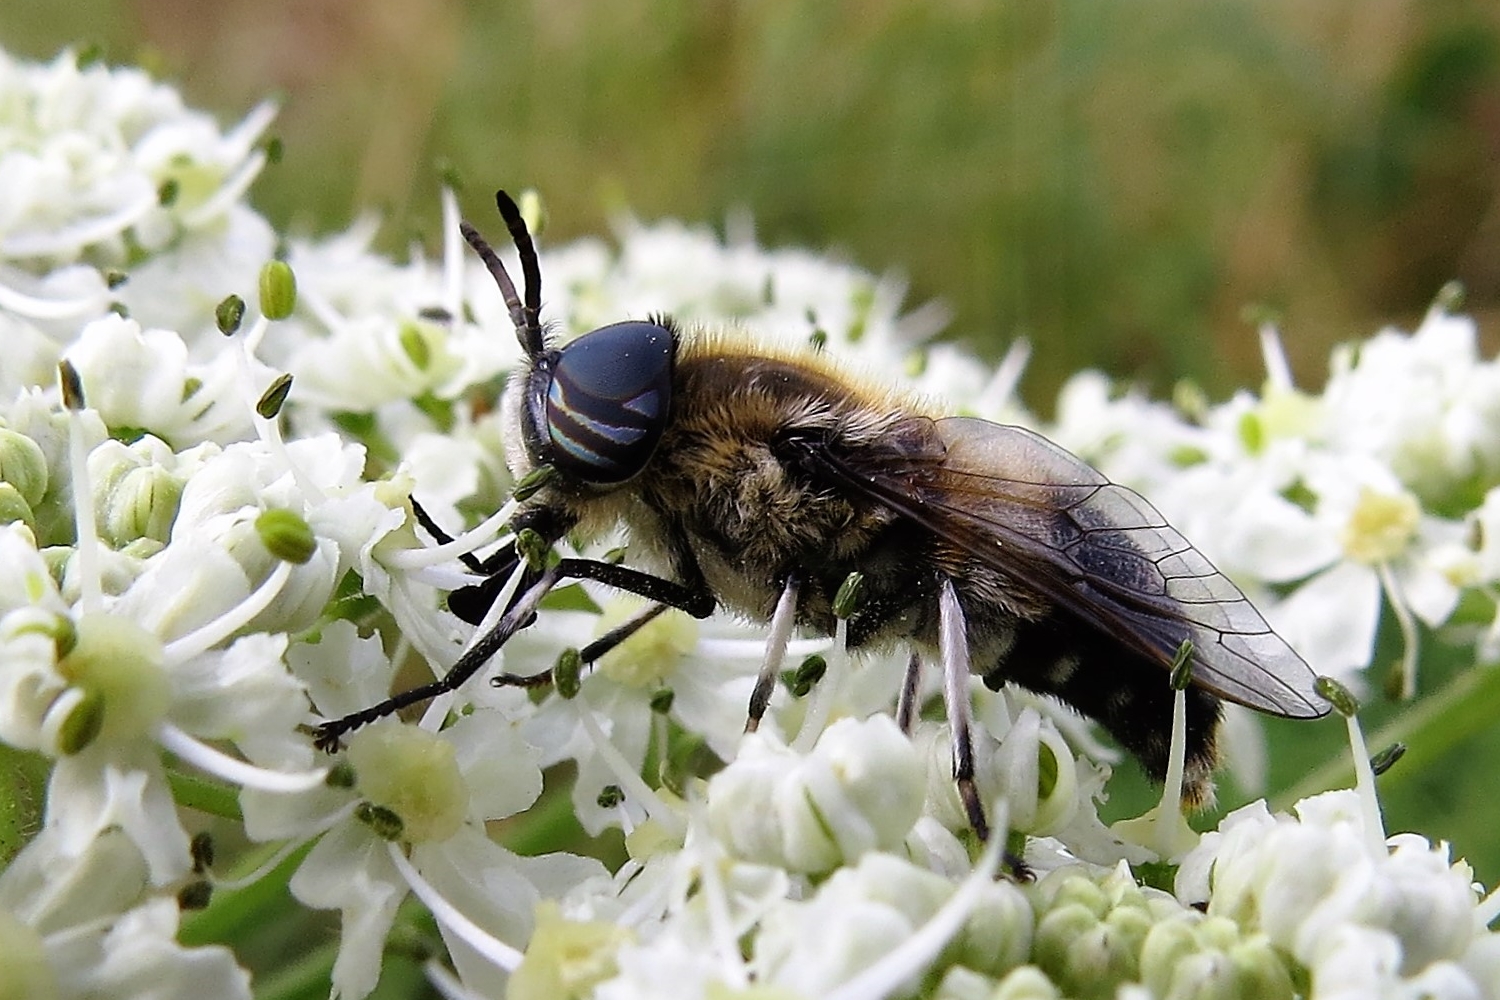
210	544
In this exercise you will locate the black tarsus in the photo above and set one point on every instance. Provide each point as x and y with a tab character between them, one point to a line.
696	601
590	653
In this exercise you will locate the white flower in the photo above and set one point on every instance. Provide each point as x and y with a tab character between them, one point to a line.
1313	886
859	790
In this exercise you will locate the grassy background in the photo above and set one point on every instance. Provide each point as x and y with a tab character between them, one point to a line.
1115	181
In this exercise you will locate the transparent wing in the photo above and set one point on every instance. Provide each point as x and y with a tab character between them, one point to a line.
1025	507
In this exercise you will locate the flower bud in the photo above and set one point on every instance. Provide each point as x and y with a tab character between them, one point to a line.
1026	983
23	466
859	789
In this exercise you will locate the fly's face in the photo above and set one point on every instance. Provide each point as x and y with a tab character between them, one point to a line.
595	409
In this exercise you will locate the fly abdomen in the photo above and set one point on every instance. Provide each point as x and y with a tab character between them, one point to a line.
1129	695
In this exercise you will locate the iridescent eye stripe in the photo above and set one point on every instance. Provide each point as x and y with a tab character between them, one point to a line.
590	439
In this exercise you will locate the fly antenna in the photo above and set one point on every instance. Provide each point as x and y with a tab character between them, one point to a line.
526	318
531	272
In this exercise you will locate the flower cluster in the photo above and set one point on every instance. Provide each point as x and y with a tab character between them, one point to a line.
198	564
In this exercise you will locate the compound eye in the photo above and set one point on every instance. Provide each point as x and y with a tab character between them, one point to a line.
608	400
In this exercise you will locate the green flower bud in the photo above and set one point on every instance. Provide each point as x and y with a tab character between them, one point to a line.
23	466
413	775
1026	983
278	290
1056	932
286	535
13	507
997	936
1165	947
141	503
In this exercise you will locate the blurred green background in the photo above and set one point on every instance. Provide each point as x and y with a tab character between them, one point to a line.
1117	182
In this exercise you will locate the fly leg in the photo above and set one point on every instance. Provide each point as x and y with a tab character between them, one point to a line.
953	649
776	643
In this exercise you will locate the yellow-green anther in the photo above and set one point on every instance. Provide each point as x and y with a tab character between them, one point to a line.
807	674
414	345
274	149
23	465
1182	666
661	701
1340	697
274	397
567	673
83	725
114	277
533	211
1386	759
195	895
850	591
71	384
384	822
1252	433
278	290
818	339
610	796
532	547
229	314
614	556
341	775
286	535
167	192
533	481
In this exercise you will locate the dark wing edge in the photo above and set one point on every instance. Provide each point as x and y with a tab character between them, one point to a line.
1028	508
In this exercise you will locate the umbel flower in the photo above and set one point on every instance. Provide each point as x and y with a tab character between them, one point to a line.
210	441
